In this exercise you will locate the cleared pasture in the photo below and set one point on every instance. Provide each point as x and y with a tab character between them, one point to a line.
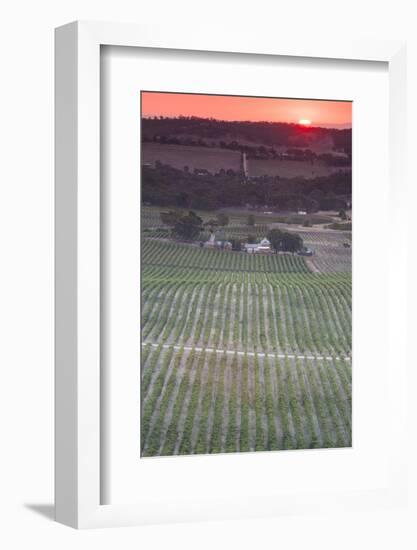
289	168
178	156
150	216
214	159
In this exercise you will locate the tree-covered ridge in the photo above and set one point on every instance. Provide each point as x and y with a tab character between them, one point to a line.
203	132
164	185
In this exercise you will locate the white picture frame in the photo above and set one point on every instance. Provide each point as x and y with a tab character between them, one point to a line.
78	404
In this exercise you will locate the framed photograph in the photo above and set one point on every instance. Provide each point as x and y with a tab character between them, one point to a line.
246	273
229	339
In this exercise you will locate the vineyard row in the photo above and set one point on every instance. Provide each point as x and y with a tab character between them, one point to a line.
198	402
260	312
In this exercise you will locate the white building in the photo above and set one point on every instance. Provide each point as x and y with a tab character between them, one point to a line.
264	247
212	243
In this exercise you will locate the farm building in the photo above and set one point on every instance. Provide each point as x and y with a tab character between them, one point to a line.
201	172
213	243
264	247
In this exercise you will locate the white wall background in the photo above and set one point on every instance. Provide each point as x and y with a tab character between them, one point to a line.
26	268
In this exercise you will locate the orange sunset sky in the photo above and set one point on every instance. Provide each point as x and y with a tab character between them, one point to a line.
337	114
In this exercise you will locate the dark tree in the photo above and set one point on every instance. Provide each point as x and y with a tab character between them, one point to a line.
251	220
222	219
211	224
189	226
170	218
285	241
236	244
275	238
291	242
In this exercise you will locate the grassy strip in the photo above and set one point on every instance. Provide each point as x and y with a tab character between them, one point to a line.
283	406
232	429
272	441
173	317
244	423
245	315
201	318
259	408
262	330
185	447
154	438
254	315
295	408
216	432
308	407
279	319
335	405
201	444
186	310
344	370
219	319
147	410
172	432
322	413
209	320
160	315
236	323
191	315
148	373
145	354
228	317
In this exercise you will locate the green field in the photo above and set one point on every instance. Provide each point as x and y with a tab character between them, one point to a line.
214	159
199	401
244	352
238	219
289	168
209	158
171	255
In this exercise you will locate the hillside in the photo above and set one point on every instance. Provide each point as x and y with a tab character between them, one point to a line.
250	137
179	156
252	149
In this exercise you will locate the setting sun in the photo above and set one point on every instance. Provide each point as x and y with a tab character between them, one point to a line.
304	122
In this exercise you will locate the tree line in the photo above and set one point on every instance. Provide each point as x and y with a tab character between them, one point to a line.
188	226
263	132
166	186
257	152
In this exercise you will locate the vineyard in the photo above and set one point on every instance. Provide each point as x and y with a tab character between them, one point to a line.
330	253
199	401
169	254
331	256
243	352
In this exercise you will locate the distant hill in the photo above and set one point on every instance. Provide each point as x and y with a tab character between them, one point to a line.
253	138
